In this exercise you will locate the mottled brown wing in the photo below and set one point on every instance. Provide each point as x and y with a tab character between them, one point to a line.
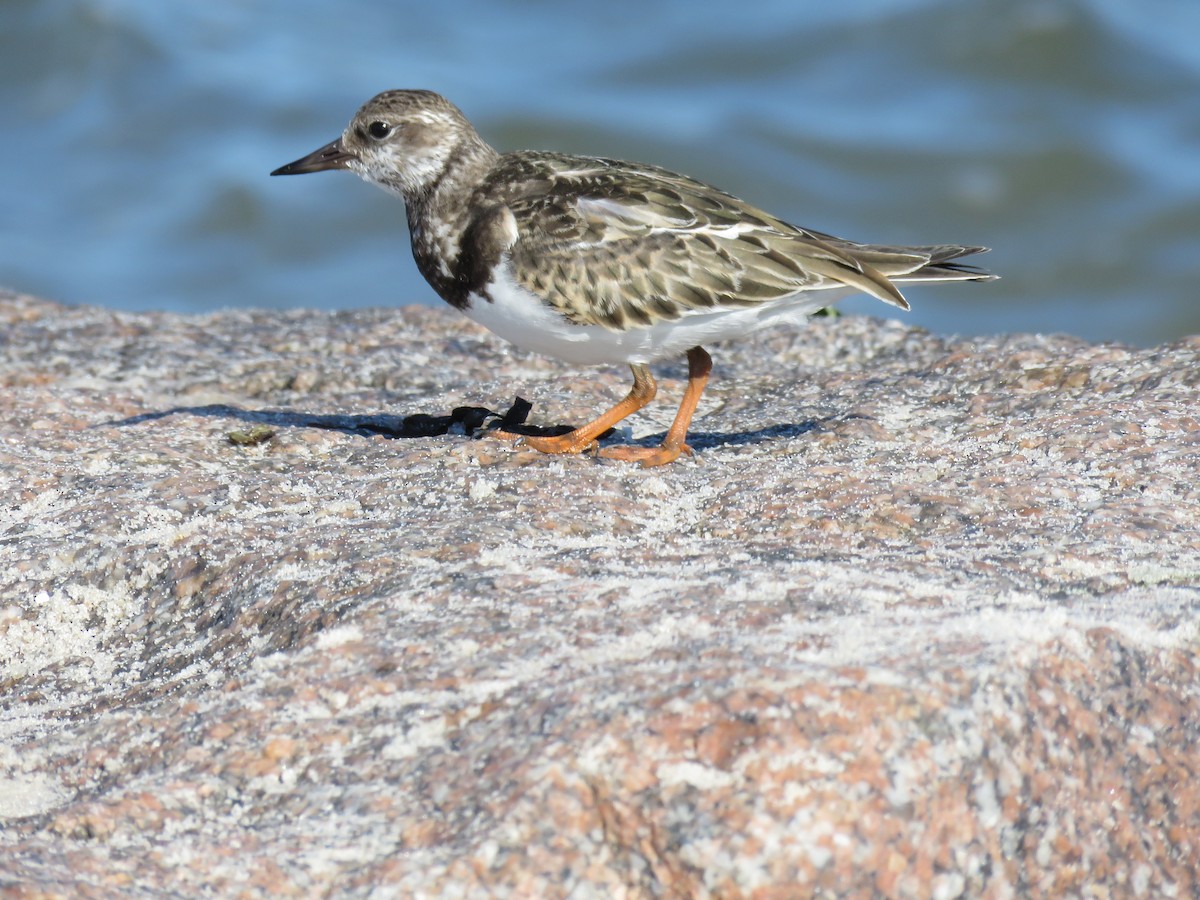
619	245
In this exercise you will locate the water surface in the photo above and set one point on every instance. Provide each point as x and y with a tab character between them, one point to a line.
1063	133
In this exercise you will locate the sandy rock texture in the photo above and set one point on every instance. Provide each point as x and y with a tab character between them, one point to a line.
919	619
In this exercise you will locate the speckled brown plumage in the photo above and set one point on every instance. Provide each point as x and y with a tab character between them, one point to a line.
621	245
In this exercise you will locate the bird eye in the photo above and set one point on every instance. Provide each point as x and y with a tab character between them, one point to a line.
379	130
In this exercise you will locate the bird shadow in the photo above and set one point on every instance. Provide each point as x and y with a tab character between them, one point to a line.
474	421
471	419
703	440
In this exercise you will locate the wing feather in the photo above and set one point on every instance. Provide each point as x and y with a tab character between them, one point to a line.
618	244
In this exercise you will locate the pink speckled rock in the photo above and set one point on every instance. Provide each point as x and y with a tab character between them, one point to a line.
919	619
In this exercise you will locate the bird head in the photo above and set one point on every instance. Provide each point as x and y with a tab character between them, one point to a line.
402	141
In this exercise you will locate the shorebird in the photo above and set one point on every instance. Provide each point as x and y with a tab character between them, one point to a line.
597	261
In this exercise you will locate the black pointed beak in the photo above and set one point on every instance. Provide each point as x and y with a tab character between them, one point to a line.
333	155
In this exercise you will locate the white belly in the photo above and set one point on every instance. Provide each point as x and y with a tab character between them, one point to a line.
520	317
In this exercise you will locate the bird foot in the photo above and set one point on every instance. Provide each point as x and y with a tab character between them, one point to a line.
647	456
499	434
570	442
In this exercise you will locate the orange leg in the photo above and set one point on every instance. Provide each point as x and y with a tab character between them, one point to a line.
675	443
584	437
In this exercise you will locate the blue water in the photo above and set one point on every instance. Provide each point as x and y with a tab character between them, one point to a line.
138	135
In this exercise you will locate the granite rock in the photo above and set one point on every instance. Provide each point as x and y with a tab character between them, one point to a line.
919	618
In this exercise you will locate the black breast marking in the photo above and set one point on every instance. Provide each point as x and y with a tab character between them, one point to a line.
480	248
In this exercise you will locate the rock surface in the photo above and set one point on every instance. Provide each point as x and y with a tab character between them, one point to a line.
918	619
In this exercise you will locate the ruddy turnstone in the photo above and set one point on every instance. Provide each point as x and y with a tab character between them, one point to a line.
596	261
